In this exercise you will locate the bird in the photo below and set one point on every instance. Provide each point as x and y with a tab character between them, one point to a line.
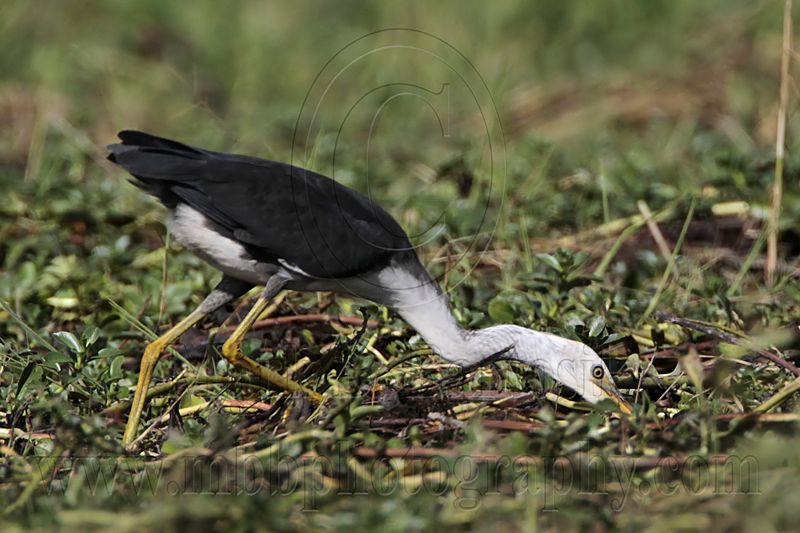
272	224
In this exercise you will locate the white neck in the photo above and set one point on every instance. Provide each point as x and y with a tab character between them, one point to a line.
422	304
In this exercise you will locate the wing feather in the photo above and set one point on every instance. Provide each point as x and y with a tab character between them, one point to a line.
276	210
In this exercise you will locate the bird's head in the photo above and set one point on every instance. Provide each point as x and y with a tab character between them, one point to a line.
572	363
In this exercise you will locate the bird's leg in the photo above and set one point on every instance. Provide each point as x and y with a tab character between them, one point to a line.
232	349
152	353
227	290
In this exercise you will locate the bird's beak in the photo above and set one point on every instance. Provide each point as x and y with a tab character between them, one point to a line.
601	391
623	405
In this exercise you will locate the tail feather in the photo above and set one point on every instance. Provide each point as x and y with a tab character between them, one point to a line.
171	171
145	140
152	158
157	164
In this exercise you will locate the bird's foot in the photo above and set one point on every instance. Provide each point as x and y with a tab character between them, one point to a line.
232	351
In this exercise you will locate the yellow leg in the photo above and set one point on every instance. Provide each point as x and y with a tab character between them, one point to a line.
232	351
152	353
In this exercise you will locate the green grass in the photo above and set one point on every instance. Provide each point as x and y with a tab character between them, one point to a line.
514	145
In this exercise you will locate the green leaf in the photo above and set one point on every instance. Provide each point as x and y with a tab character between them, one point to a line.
596	326
90	335
501	311
550	261
108	352
115	368
341	422
190	400
63	302
249	346
26	373
57	357
614	337
69	340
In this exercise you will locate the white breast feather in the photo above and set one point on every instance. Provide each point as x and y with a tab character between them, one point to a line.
192	229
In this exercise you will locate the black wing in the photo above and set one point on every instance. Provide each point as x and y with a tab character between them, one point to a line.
276	210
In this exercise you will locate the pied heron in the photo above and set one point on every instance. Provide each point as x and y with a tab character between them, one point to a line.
267	223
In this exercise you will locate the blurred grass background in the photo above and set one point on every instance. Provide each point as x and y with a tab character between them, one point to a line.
598	105
621	89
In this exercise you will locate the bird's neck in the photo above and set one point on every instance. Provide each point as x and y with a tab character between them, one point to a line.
420	302
434	321
437	325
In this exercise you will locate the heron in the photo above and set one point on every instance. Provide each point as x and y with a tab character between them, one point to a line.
271	224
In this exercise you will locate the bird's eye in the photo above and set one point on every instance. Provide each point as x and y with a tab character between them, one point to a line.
598	372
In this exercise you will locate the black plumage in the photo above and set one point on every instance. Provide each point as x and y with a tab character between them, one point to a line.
275	210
